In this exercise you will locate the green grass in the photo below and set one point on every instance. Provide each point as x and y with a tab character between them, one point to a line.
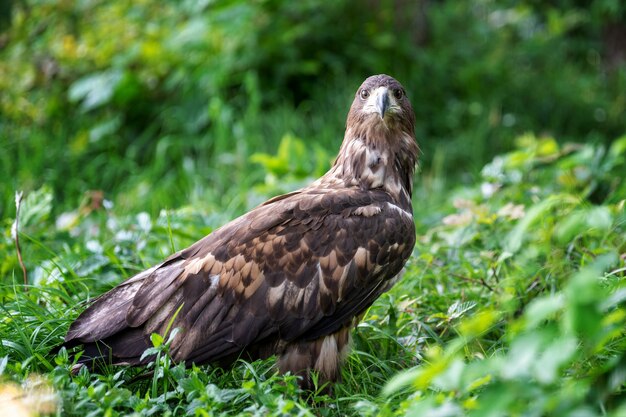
513	302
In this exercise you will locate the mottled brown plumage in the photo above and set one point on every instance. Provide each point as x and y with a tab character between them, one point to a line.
292	276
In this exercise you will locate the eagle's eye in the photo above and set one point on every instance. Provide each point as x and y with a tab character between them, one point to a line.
364	94
398	93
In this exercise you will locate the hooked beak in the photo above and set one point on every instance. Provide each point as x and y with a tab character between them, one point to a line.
382	102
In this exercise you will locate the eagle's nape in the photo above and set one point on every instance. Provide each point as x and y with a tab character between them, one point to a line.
292	276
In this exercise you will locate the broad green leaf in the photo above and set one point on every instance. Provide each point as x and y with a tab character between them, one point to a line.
618	147
571	226
95	90
547	147
518	235
478	324
543	308
156	339
522	355
3	363
35	208
400	381
599	218
556	355
450	379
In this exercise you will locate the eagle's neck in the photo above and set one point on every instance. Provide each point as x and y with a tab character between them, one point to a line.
379	158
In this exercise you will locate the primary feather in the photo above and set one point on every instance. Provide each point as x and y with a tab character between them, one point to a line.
292	276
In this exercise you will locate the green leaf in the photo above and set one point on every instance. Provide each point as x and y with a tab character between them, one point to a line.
522	355
585	298
400	381
600	218
543	308
451	378
95	90
516	237
585	221
150	351
571	226
156	339
478	324
3	363
36	208
556	355
618	147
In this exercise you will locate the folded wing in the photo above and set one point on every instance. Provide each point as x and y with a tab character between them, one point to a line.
296	268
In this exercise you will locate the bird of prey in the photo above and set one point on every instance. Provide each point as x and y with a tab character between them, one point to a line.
289	278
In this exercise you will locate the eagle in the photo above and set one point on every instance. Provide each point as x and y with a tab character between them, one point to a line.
289	278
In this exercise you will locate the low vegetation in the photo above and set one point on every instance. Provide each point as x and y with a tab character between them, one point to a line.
512	304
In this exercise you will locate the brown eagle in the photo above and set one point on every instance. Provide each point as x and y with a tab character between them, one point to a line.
289	278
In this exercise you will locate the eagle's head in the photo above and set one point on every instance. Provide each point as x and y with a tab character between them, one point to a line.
381	102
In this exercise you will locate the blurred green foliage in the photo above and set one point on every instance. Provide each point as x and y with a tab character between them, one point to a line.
160	104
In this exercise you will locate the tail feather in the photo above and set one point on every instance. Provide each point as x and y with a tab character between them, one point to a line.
123	348
105	317
98	355
103	331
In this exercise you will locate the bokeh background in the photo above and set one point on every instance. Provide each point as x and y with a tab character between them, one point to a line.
157	104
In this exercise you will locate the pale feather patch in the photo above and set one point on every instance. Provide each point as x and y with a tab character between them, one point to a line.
400	210
195	265
367	211
320	275
328	360
275	294
361	256
408	140
214	280
374	171
342	281
306	294
323	288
